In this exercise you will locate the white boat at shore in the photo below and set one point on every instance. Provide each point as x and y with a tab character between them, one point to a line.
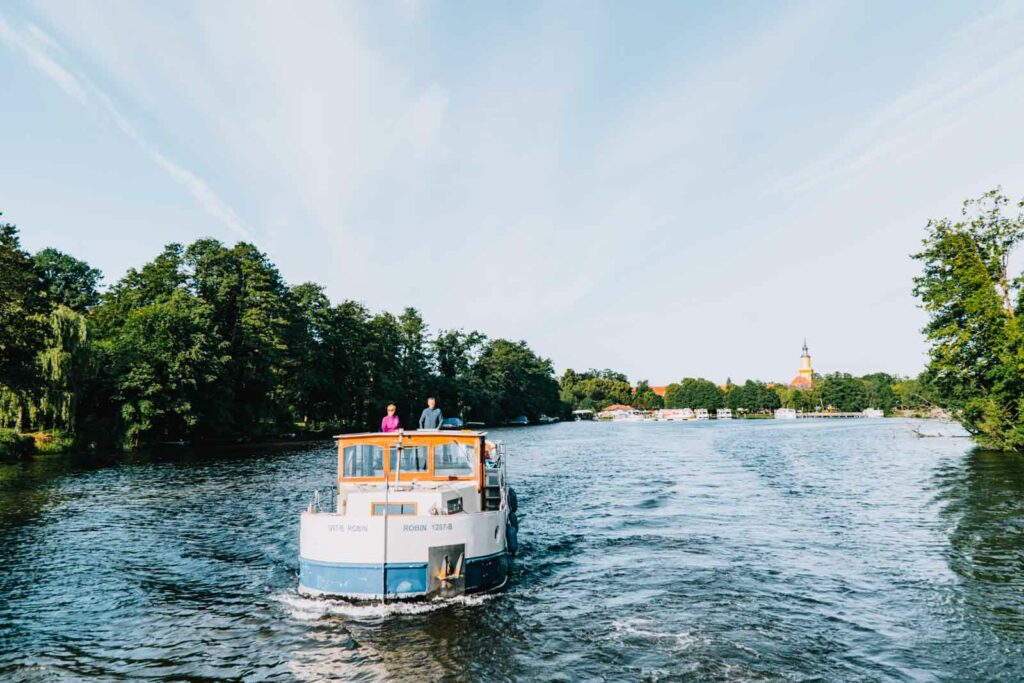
785	414
416	514
723	414
621	413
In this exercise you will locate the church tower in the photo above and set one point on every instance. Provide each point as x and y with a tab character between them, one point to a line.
805	375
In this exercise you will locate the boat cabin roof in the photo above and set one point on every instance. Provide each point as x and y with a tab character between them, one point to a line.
404	456
414	433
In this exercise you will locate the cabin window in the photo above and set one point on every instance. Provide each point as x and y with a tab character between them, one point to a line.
454	505
414	459
394	509
453	459
364	460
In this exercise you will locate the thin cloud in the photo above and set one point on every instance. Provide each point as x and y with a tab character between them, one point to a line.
34	44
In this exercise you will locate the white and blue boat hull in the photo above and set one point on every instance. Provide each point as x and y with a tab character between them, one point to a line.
372	558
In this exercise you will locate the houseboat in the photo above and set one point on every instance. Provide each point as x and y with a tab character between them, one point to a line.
415	515
723	414
701	414
785	414
874	412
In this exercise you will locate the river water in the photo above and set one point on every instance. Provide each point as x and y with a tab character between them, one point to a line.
744	550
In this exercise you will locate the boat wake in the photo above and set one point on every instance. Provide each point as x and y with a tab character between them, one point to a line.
312	609
641	629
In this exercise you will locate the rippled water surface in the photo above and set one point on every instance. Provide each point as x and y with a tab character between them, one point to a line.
745	550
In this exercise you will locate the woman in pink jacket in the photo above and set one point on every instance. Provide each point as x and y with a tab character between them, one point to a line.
391	423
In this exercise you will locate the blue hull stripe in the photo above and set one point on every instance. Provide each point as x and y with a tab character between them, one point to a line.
408	578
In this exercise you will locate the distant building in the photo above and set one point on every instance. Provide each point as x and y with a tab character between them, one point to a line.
805	375
660	391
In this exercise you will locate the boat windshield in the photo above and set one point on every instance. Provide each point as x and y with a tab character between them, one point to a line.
453	459
414	459
364	460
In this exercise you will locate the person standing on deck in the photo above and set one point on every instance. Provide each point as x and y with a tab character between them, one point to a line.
431	417
391	423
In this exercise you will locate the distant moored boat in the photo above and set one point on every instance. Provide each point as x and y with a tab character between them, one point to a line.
452	423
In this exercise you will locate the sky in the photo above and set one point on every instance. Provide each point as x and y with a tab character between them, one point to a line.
666	189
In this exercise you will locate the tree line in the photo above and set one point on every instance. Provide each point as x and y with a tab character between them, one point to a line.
207	342
597	389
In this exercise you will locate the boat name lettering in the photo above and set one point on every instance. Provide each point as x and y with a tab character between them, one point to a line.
447	526
414	527
351	528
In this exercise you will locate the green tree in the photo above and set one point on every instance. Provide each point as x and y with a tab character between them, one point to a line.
63	366
694	393
455	352
973	304
644	397
753	397
386	375
879	391
252	315
167	359
595	389
844	392
516	381
22	317
917	392
414	363
68	281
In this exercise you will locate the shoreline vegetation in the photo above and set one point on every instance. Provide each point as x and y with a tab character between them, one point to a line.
835	392
974	305
207	344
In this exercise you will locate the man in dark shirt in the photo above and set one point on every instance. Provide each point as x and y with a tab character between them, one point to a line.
431	417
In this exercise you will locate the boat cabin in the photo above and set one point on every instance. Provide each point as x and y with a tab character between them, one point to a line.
425	472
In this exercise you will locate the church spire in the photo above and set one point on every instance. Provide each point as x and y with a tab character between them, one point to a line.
805	353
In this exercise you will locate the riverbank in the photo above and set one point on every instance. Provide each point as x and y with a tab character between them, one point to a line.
15	446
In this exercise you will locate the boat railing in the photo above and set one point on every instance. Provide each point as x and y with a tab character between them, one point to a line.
324	499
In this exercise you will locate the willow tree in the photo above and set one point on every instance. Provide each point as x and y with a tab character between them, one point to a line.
974	306
61	365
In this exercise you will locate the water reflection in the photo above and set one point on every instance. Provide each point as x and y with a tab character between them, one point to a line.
984	505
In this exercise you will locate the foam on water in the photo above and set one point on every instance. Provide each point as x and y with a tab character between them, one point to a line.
310	609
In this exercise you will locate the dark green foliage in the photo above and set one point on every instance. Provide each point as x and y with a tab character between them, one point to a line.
694	393
166	361
458	387
879	393
207	342
644	397
14	445
68	281
22	309
518	381
752	397
595	389
974	304
844	393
